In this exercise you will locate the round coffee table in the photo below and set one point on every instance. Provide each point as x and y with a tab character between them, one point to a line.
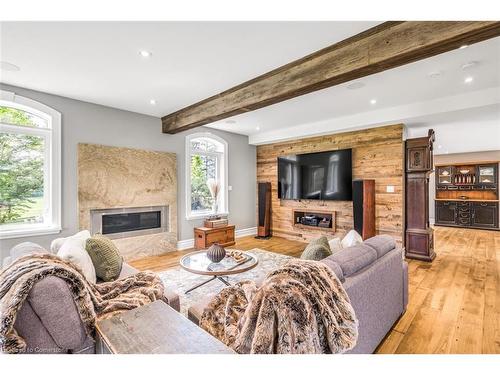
198	262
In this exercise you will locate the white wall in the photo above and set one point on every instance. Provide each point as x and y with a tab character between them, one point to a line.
474	138
472	131
89	123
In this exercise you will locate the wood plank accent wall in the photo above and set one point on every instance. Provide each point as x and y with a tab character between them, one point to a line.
377	154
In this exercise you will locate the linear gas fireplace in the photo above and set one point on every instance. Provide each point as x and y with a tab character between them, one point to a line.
129	222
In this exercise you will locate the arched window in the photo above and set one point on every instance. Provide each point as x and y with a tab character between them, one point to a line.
30	160
206	171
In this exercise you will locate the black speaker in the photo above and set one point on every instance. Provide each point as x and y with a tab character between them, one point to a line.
363	207
264	210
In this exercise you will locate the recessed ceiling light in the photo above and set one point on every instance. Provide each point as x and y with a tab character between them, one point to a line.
435	74
373	101
470	64
468	79
257	128
145	53
463	46
152	102
7	66
355	85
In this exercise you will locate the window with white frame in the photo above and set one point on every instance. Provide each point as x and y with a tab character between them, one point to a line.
206	172
30	191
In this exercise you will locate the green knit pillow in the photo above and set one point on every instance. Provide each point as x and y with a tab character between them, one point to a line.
105	257
317	249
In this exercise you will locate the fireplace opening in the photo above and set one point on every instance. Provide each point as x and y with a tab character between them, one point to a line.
128	222
118	223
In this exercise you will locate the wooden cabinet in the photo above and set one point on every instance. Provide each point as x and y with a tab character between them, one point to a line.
467	195
446	213
205	237
484	215
467	214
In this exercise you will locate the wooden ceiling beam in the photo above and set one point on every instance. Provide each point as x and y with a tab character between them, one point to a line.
380	48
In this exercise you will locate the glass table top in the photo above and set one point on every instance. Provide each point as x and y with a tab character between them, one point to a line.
199	263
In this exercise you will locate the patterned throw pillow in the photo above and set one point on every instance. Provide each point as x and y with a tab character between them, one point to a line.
317	249
105	256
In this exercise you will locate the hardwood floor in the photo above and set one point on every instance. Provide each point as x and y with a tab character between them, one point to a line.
454	302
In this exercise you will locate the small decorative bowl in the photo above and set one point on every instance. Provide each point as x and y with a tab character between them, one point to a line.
464	171
216	253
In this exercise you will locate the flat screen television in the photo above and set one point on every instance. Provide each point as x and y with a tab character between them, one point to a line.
319	175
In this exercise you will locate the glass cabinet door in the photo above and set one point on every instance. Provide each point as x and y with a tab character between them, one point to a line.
487	174
445	175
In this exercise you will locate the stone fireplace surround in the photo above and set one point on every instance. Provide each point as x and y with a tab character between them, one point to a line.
121	178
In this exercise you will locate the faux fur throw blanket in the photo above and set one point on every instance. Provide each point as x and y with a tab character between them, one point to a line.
301	307
93	301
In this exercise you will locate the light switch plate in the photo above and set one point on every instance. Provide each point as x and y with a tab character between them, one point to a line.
390	188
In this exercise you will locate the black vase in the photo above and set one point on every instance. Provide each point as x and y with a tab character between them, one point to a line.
216	253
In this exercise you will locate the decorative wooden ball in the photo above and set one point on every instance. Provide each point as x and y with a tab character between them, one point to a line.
216	253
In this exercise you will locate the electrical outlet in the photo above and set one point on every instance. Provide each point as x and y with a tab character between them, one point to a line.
390	189
229	188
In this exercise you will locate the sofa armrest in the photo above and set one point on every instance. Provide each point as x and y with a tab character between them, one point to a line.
53	303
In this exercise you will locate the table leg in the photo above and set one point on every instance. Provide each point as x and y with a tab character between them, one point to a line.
201	284
223	280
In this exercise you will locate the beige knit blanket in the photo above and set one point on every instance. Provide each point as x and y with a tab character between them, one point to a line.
300	308
93	301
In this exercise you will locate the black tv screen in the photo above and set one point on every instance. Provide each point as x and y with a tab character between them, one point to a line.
320	175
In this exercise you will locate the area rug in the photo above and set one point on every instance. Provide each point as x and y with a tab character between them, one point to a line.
180	280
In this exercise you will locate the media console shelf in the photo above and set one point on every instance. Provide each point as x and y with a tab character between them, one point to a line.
467	195
314	219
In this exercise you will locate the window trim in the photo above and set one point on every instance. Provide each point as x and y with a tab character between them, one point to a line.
224	210
52	172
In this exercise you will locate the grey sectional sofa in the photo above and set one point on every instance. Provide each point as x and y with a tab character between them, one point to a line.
375	277
49	321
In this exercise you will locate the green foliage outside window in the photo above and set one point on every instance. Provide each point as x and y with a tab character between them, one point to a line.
21	171
202	168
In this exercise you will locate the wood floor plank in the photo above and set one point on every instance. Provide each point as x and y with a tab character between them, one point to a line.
454	302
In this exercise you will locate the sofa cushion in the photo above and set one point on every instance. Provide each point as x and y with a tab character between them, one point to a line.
335	244
334	266
317	249
105	256
73	250
382	244
127	270
56	244
354	259
351	238
25	248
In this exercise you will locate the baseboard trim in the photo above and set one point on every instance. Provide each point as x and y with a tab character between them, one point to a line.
246	232
189	244
185	244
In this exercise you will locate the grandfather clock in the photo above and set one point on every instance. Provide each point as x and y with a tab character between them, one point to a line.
419	237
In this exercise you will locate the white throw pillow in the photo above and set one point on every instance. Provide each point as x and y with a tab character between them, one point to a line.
352	238
335	245
56	244
73	250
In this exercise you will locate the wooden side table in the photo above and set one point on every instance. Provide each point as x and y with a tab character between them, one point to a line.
204	237
154	329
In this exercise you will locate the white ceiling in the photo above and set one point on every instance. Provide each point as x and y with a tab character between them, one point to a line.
100	63
408	84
